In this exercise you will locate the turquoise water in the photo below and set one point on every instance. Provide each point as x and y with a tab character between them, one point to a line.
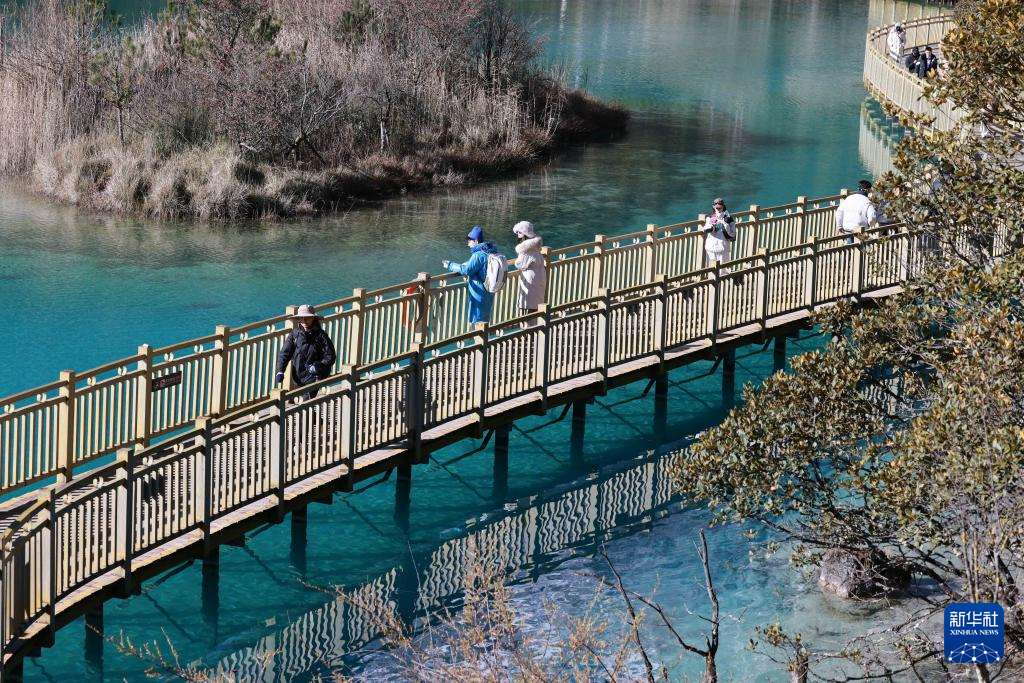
773	114
266	604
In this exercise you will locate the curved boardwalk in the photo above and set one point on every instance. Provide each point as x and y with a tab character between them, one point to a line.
891	83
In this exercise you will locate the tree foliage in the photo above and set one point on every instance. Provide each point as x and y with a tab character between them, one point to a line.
905	435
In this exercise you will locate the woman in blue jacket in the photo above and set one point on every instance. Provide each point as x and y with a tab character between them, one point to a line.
475	270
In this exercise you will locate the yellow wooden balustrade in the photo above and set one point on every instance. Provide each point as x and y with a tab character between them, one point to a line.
53	430
891	83
205	448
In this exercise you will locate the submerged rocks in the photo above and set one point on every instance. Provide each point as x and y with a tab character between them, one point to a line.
860	573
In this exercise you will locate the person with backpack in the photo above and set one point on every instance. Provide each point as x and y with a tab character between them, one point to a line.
485	274
308	348
720	228
533	275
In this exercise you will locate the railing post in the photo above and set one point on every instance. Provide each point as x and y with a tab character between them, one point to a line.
125	550
714	303
219	382
205	488
701	255
651	253
598	282
51	563
542	357
5	583
857	267
762	293
604	333
347	433
480	371
422	328
754	231
289	325
660	318
357	329
66	430
904	237
801	212
278	450
546	253
144	397
811	279
414	401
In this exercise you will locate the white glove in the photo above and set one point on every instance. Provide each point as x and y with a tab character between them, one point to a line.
445	264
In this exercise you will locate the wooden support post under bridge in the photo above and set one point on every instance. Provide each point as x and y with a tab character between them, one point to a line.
94	639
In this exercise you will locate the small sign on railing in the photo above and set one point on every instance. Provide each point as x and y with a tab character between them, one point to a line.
165	381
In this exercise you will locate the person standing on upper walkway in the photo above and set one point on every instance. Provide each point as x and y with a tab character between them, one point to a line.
896	40
913	60
720	228
855	212
475	270
929	64
533	273
308	348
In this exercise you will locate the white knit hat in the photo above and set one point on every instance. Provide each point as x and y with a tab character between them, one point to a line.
524	229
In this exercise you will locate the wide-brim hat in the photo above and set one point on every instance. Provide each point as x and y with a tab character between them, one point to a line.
524	229
305	311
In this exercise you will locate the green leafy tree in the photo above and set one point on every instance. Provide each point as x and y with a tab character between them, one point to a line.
904	438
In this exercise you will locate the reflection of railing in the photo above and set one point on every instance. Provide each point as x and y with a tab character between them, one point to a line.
891	83
57	428
207	484
573	519
876	142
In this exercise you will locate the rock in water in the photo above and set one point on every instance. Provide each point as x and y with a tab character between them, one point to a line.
860	573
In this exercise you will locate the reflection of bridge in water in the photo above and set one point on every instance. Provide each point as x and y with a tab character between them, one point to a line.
877	139
522	542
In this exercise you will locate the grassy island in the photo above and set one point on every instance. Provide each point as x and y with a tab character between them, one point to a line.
228	109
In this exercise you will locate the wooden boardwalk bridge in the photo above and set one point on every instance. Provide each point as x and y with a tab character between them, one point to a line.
891	84
113	475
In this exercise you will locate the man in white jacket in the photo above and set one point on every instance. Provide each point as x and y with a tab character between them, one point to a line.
896	41
855	212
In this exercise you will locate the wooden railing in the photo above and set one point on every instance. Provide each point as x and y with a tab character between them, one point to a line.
109	521
59	429
891	83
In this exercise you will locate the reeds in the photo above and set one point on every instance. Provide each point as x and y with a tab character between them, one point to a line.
323	102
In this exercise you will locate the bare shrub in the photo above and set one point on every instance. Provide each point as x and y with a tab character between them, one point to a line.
371	97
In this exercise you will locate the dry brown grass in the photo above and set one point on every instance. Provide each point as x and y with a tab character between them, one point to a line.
337	101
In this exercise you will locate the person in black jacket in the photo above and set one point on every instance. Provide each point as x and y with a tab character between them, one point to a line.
928	64
912	61
308	348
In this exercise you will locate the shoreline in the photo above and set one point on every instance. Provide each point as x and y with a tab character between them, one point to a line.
216	183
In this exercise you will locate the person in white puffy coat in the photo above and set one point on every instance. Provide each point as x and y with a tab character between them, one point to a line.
896	41
720	228
533	278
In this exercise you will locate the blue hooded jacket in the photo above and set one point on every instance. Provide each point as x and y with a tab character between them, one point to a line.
475	270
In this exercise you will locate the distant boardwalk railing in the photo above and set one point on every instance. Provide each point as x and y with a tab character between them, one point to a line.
56	429
100	532
891	83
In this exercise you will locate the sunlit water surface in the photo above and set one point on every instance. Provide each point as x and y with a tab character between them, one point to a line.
757	101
